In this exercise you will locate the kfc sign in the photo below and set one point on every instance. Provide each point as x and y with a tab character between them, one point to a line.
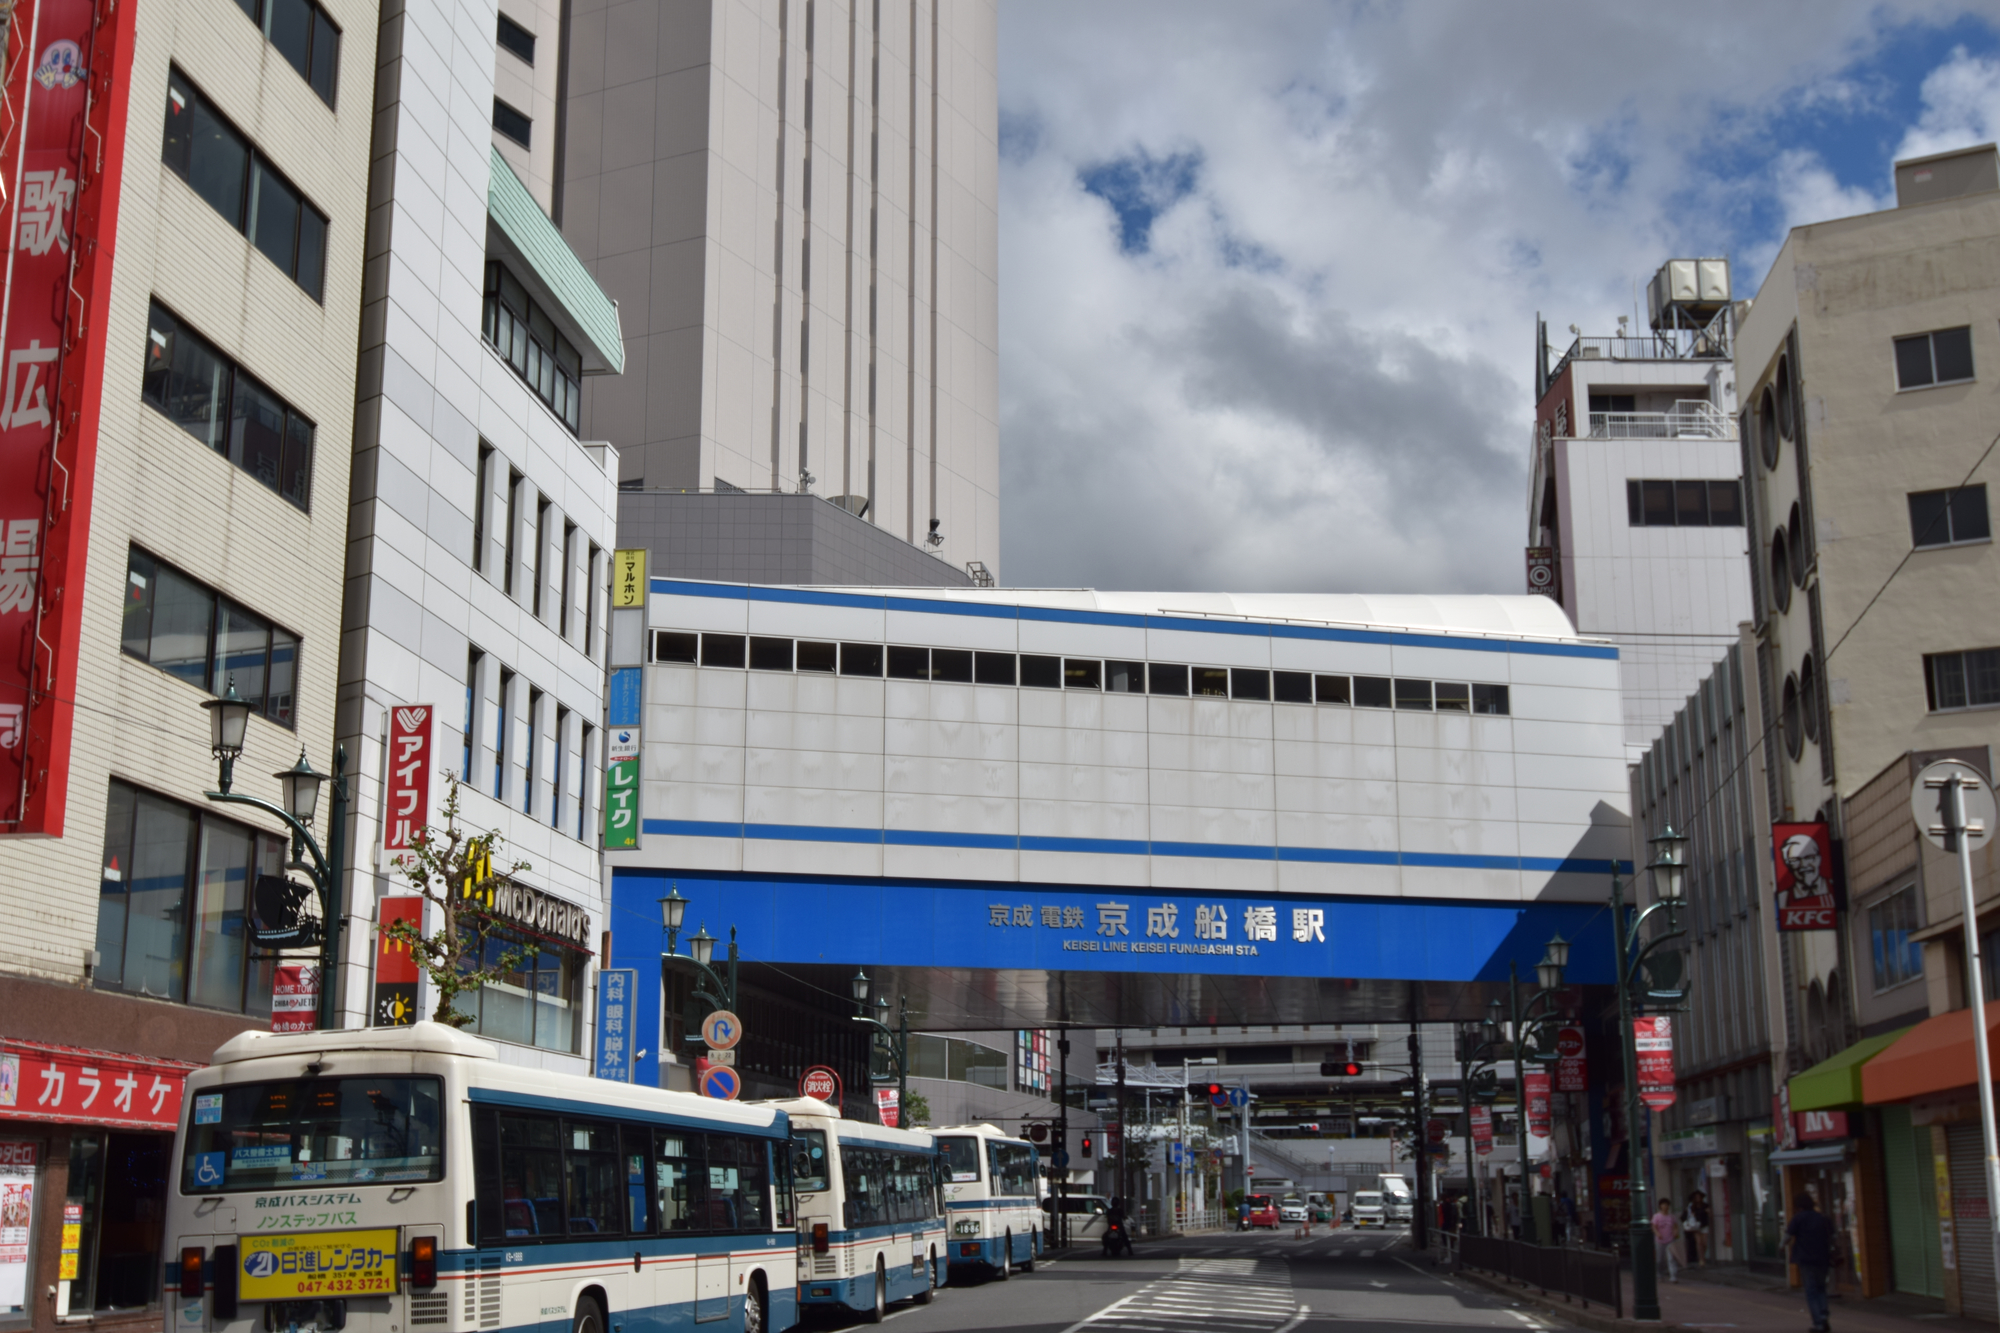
1804	864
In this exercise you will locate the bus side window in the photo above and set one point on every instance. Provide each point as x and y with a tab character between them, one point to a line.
680	1187
781	1181
488	1211
638	1212
738	1182
531	1176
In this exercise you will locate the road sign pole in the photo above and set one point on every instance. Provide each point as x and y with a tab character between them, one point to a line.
1975	988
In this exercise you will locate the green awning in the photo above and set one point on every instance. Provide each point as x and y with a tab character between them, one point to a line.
1835	1085
556	276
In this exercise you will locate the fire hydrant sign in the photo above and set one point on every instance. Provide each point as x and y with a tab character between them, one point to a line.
334	1263
1653	1040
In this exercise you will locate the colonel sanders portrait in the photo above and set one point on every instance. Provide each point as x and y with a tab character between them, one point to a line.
1801	854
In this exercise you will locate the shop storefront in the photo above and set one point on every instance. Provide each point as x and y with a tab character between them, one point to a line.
1836	1153
85	1142
1939	1217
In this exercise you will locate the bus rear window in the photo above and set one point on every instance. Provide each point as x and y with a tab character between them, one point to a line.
961	1158
313	1131
809	1164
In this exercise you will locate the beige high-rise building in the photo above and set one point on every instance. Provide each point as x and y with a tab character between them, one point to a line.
795	204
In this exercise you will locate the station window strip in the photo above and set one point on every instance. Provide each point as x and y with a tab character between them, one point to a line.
1046	671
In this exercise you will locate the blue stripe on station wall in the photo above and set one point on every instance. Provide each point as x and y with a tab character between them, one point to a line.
1232	851
1126	619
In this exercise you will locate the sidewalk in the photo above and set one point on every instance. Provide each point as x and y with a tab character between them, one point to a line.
1736	1298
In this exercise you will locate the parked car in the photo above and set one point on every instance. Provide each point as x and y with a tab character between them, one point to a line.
1260	1210
1368	1209
1292	1210
1086	1217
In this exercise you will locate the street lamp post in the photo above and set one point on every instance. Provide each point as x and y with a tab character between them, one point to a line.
896	1039
1549	973
721	990
1478	1048
1181	1195
1669	872
229	719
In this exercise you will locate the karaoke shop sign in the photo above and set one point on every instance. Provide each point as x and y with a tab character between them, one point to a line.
1653	1041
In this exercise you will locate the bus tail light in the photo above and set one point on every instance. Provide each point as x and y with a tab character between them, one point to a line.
191	1274
424	1262
225	1282
819	1238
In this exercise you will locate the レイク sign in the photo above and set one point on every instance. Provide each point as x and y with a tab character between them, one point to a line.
406	777
1804	864
1653	1040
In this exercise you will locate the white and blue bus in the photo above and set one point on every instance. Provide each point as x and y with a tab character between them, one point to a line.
871	1222
992	1198
404	1180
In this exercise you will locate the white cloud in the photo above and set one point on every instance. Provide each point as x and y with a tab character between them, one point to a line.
1961	107
1317	375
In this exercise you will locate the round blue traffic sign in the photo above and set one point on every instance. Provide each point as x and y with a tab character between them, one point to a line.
1239	1097
1060	1158
721	1083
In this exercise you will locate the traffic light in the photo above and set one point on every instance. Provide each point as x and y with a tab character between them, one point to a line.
1088	1147
1340	1069
1215	1090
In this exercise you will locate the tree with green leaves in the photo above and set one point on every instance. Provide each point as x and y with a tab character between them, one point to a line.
452	869
916	1111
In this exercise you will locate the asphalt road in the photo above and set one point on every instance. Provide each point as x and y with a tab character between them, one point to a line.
1258	1282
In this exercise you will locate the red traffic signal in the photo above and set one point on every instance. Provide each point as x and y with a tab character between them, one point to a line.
1088	1147
1340	1069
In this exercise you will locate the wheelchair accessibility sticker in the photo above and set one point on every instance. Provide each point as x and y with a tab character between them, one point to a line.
208	1169
336	1263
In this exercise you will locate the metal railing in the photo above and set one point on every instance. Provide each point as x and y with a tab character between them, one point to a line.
1691	418
1587	1275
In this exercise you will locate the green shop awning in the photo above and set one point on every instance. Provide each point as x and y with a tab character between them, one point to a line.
1835	1084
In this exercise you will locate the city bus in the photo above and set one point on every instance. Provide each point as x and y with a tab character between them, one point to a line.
871	1223
404	1180
992	1198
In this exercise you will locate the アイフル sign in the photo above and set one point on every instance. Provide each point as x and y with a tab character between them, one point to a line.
406	778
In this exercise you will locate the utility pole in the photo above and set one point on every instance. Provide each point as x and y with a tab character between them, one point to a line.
1124	1171
1420	1223
1062	1137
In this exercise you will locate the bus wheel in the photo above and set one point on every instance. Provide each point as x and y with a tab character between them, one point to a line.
589	1319
930	1280
1006	1258
753	1307
881	1305
1034	1248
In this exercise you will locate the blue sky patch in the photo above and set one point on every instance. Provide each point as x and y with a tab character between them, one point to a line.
1139	187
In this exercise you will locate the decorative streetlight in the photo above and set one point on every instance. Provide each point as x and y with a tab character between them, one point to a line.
895	1040
1527	1023
1669	869
1478	1054
228	722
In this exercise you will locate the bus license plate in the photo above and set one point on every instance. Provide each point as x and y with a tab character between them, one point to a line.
965	1228
332	1263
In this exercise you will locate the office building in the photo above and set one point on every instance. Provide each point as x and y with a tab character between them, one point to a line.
795	204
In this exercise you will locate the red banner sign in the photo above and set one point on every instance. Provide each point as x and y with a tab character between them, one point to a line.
1482	1130
1538	1101
1573	1067
406	775
294	997
888	1106
395	965
70	1085
1804	863
1653	1040
61	153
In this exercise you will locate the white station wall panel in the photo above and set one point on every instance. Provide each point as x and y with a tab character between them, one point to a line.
801	772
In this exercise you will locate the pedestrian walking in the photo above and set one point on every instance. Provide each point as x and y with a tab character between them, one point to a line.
1694	1224
1809	1244
1665	1230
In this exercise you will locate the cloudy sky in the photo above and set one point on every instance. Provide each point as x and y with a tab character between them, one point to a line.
1269	272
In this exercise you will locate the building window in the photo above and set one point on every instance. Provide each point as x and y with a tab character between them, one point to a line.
304	36
189	630
513	528
534	718
1949	517
535	1002
526	337
473	658
568	576
541	552
1969	679
1684	504
583	778
221	166
482	504
558	805
173	904
117	1201
514	124
500	736
226	408
513	37
1943	356
1897	957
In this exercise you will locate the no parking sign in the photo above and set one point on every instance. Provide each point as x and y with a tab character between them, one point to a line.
720	1082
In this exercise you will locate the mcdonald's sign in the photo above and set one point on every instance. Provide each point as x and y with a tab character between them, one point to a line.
396	972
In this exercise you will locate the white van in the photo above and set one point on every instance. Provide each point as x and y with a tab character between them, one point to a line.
1368	1209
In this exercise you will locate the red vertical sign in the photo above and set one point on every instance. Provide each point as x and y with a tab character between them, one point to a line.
61	150
1572	1066
406	777
294	997
1538	1101
395	965
1653	1040
1482	1130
